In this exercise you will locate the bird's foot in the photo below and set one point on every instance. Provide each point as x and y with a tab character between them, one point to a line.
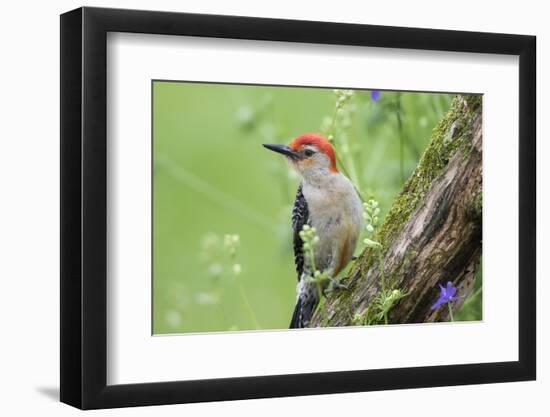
334	285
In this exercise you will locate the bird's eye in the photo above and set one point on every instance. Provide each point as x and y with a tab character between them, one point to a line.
308	152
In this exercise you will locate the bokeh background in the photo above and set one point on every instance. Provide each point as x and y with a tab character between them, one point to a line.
222	253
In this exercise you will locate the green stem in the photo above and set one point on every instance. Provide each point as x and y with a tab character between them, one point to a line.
343	167
319	289
320	306
332	132
401	139
472	296
353	177
349	160
312	261
450	311
333	124
311	255
346	173
247	303
212	193
219	295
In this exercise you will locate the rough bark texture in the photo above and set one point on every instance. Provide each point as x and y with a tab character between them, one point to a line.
431	235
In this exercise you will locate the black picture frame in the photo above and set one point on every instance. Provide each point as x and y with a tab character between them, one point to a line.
84	207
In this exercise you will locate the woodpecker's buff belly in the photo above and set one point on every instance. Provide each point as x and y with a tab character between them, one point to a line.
335	211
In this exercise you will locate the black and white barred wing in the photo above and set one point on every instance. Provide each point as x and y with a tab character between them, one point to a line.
300	217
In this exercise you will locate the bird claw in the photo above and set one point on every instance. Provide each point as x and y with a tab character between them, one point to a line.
334	284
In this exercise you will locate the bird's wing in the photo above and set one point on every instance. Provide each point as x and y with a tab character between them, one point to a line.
300	217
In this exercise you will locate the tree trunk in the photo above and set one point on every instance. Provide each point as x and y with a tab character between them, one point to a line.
431	235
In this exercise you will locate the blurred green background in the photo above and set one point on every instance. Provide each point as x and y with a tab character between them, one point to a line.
213	178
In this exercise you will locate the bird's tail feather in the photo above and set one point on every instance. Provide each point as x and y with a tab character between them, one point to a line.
302	312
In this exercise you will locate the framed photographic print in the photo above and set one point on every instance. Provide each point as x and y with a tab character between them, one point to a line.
257	207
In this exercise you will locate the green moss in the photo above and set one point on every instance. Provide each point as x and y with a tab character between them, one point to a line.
474	102
467	150
476	209
447	137
478	203
395	277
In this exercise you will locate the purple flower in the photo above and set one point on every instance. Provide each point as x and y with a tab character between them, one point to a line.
375	95
447	295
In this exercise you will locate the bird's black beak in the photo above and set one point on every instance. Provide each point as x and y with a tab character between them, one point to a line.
283	149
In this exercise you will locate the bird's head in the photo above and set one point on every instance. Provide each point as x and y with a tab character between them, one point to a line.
310	154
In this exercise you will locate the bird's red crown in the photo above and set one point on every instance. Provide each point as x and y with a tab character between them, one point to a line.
320	143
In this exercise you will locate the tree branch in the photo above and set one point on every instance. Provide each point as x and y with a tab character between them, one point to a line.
432	234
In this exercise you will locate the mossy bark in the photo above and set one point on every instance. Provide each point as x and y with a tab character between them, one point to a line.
431	235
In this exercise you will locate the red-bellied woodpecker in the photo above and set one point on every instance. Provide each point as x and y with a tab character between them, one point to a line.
327	201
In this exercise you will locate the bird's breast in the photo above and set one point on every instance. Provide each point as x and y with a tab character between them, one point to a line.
335	212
